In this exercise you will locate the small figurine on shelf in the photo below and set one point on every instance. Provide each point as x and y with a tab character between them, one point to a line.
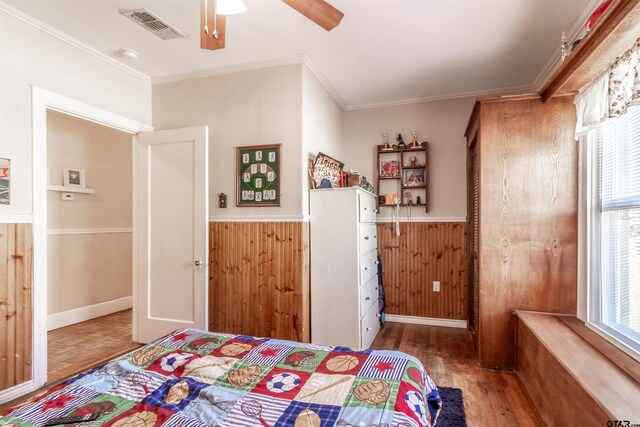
408	198
401	143
414	140
418	201
413	162
563	47
386	145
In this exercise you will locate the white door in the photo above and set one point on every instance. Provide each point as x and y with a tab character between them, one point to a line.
171	240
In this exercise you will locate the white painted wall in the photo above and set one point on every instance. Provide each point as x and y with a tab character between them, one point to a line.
321	126
31	57
89	269
247	108
442	123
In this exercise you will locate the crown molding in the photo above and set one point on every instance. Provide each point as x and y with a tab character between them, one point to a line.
446	96
323	81
39	25
229	69
555	61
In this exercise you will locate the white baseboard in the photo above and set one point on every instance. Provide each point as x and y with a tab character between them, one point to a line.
16	391
448	323
77	315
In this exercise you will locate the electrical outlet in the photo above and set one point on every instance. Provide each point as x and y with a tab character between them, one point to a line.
436	286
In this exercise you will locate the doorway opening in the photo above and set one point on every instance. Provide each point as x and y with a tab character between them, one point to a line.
89	244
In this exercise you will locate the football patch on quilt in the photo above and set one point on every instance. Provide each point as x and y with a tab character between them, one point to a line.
208	369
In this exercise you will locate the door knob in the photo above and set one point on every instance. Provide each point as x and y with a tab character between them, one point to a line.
198	264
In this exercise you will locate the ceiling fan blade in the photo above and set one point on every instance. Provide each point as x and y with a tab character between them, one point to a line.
319	11
212	22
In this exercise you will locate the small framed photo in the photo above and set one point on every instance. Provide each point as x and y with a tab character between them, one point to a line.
73	177
413	178
390	169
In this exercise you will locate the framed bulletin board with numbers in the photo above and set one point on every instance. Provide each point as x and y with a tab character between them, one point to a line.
258	175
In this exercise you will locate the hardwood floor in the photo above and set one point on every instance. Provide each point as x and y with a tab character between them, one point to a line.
491	397
75	348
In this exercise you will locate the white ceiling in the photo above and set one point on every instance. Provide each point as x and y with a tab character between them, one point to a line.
384	51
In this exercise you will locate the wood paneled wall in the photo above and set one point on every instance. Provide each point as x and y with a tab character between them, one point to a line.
528	216
259	279
424	252
16	251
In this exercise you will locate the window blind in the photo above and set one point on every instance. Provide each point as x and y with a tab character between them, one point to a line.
619	190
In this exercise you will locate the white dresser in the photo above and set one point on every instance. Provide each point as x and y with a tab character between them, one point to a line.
344	270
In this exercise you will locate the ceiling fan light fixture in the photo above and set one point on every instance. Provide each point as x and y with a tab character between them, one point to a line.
230	7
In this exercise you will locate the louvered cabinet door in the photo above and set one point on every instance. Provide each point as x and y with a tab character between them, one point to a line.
473	232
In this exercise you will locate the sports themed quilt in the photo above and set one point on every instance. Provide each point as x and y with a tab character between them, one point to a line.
193	378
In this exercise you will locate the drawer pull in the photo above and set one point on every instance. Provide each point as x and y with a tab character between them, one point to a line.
367	298
376	288
368	329
377	262
375	211
366	208
366	237
375	237
366	268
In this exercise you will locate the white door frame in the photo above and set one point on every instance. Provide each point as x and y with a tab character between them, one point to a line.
43	100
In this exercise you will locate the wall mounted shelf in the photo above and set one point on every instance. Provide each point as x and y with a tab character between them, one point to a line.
69	189
403	157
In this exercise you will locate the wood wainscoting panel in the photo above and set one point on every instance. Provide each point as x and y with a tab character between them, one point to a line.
259	279
424	252
16	253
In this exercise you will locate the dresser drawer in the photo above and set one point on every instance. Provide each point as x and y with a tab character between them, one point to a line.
367	208
369	327
368	266
368	295
368	237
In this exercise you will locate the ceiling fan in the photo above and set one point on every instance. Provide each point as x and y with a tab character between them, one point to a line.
213	18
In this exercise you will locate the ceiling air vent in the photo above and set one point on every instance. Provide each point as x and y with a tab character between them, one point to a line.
154	24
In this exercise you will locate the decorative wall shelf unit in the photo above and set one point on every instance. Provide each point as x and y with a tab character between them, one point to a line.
69	189
403	156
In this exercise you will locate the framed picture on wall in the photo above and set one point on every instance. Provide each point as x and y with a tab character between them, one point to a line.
258	175
413	178
5	176
73	177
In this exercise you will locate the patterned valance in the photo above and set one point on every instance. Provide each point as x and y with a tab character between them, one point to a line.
612	94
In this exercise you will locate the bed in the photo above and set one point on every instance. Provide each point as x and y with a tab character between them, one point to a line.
194	378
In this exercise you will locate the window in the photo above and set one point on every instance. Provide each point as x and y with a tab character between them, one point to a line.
614	305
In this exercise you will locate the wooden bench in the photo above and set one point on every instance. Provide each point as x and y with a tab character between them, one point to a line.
575	377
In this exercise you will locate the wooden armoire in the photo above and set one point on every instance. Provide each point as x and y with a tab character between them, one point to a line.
522	225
